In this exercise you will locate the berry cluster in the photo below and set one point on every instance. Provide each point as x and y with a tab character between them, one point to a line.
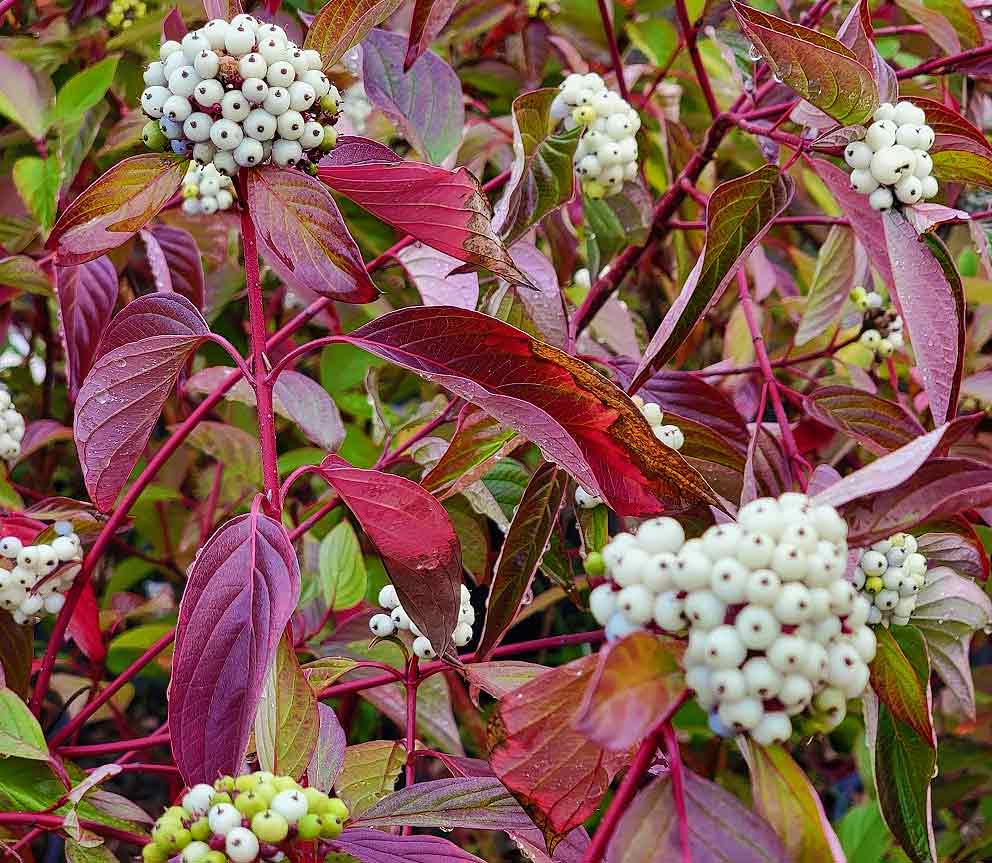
892	163
206	190
670	435
41	576
890	574
773	627
256	816
121	14
881	327
384	625
971	404
240	94
11	428
607	151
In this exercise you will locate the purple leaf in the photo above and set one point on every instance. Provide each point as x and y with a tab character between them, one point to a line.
87	294
353	149
183	257
136	366
374	846
413	533
432	273
721	828
866	222
325	764
739	213
425	102
157	263
956	545
883	473
857	34
929	295
879	425
242	590
539	312
840	266
429	18
303	237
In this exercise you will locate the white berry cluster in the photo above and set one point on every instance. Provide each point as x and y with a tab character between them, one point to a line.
891	573
11	428
239	93
670	435
384	625
881	326
206	190
892	163
773	627
42	574
607	152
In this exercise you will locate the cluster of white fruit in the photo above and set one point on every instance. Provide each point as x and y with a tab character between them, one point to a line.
773	626
891	573
670	435
206	190
40	577
607	152
892	162
384	625
11	428
240	94
881	326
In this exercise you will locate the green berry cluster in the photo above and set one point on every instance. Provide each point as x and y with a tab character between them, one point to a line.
257	816
123	13
881	325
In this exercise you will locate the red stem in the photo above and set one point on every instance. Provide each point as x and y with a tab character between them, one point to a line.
934	65
678	788
54	822
411	682
689	34
611	40
263	380
115	746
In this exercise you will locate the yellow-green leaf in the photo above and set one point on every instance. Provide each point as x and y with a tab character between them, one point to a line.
20	734
369	773
24	274
37	181
342	567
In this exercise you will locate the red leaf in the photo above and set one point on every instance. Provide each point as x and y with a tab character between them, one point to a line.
21	526
445	209
242	590
84	626
137	363
374	846
949	126
524	546
930	297
303	236
429	18
638	681
556	773
413	533
173	26
87	294
116	206
579	419
876	423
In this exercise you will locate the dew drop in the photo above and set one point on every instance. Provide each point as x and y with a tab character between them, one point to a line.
753	53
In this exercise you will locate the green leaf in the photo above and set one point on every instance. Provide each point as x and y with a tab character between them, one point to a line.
84	90
738	215
130	644
836	269
863	834
24	96
616	222
895	682
369	773
286	723
542	176
594	527
903	761
20	733
478	442
963	166
823	71
76	139
655	37
24	274
523	548
506	483
75	852
38	181
342	567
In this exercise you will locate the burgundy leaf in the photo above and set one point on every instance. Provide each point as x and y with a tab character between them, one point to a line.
183	257
84	626
242	590
739	213
413	533
39	434
866	222
433	274
948	124
423	100
429	18
930	297
445	209
116	206
374	846
325	764
303	237
173	26
351	149
580	420
524	546
876	423
87	294
955	544
721	828
136	366
343	23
